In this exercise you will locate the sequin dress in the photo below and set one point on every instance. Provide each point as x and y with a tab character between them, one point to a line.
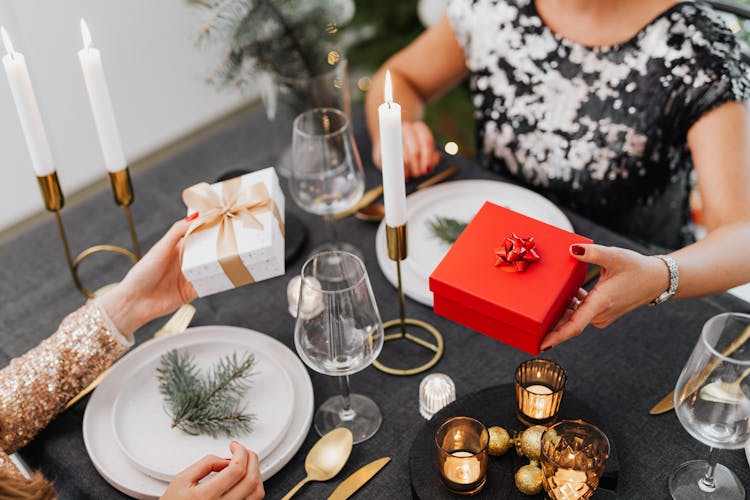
601	130
35	387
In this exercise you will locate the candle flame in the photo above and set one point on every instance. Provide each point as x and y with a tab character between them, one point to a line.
388	94
85	34
6	42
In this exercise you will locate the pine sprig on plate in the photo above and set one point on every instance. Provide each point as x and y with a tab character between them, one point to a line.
446	228
209	403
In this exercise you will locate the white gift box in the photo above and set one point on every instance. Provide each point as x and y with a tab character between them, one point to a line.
261	250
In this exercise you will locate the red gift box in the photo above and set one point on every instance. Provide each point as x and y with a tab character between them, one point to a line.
517	308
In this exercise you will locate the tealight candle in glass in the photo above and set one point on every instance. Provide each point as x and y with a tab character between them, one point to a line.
462	450
540	384
313	303
574	454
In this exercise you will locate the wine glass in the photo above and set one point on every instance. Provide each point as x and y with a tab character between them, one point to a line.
343	337
326	175
711	400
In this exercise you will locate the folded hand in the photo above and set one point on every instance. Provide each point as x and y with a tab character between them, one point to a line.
238	477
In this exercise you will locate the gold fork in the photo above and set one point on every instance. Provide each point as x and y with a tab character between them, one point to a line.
176	324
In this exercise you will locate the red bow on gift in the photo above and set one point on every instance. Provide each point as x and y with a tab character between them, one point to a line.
516	253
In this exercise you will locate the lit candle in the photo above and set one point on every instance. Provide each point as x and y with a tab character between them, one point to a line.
462	467
539	402
392	155
569	484
27	108
101	104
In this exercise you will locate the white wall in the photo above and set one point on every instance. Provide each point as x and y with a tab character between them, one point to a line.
156	77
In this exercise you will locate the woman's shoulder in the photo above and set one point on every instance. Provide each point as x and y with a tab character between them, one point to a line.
697	48
696	29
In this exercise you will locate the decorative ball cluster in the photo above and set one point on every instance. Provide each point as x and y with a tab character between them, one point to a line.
528	444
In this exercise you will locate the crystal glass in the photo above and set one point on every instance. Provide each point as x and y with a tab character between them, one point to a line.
540	385
326	176
711	400
574	454
462	450
344	338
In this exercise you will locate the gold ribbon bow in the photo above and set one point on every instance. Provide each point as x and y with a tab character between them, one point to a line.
234	203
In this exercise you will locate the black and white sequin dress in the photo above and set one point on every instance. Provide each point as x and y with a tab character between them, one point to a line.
602	130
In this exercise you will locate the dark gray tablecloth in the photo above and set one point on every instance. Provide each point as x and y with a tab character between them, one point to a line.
621	371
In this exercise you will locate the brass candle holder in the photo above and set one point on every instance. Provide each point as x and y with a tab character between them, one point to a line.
54	201
397	251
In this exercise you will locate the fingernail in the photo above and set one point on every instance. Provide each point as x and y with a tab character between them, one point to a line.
228	458
544	349
577	250
192	216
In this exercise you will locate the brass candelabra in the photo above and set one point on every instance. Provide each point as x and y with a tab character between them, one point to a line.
54	201
397	251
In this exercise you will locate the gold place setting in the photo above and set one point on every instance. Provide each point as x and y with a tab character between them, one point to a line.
351	276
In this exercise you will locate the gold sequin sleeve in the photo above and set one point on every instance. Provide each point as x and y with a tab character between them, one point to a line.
35	387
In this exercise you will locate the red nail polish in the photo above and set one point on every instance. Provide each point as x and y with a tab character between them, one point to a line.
192	216
544	349
577	249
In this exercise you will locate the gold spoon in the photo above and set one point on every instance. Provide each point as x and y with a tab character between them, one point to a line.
326	458
376	211
724	392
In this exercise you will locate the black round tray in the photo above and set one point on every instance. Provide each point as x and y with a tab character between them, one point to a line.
496	406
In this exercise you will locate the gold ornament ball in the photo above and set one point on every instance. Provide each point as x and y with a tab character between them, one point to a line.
500	441
530	442
529	480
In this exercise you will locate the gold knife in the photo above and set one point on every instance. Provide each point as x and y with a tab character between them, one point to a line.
667	403
448	172
367	198
358	479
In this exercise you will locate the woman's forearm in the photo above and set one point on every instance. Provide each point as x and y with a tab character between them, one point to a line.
35	387
716	263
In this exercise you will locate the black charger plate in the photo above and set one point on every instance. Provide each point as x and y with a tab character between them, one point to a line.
497	406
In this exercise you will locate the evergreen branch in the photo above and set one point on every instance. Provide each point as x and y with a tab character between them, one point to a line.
292	37
446	228
206	403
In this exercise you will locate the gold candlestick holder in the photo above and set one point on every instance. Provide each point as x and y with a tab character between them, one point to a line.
54	201
397	251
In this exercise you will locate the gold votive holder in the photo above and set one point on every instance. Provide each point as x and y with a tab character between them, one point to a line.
540	384
462	451
574	454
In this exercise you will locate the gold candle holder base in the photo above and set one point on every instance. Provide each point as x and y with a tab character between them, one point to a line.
54	201
397	251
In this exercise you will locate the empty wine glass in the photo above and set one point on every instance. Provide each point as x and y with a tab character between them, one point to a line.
344	338
326	175
711	400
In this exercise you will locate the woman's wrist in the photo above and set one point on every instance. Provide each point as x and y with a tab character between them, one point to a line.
122	308
660	278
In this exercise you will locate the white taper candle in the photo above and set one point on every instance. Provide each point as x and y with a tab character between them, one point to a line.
101	104
392	155
27	108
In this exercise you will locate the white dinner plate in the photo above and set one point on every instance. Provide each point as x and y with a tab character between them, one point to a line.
460	200
99	437
140	420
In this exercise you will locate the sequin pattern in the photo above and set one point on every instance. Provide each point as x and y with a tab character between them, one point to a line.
36	386
601	130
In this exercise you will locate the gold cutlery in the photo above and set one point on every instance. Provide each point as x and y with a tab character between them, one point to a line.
326	458
358	479
667	403
376	211
367	198
179	321
176	324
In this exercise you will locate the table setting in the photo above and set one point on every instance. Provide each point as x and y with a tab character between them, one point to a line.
254	358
